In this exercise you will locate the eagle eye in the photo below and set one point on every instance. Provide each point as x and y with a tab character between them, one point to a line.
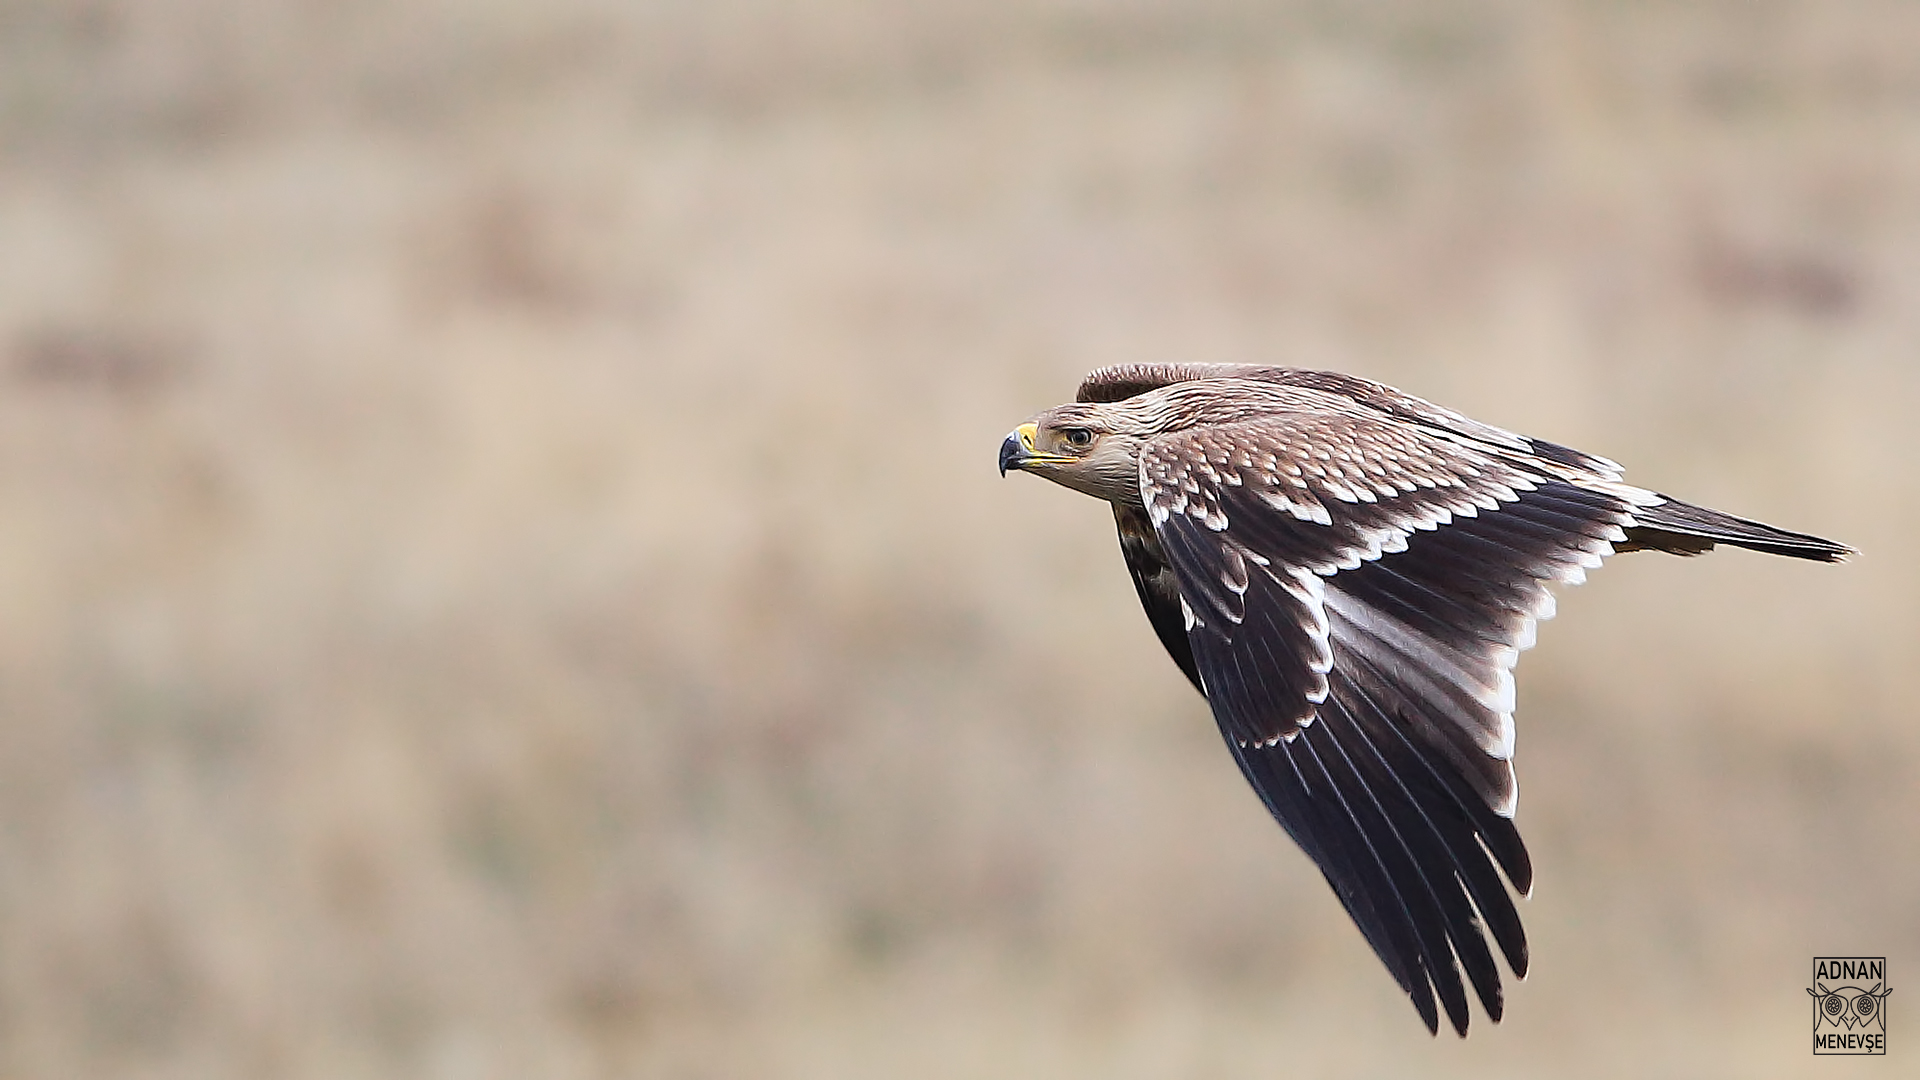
1077	437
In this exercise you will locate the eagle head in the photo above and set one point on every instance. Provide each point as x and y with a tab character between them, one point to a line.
1083	446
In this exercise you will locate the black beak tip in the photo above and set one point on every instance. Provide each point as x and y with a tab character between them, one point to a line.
1011	454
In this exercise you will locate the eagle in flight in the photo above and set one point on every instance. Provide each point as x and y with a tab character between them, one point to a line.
1348	574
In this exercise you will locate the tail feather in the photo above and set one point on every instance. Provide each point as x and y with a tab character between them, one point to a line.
1684	529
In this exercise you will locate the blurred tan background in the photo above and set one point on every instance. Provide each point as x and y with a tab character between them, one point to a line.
502	572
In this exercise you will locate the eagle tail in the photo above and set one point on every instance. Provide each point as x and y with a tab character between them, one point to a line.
1685	529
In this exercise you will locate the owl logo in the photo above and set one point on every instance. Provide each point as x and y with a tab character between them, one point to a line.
1849	1006
1849	1011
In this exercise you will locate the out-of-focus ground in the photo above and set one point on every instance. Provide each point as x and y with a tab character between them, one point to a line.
502	572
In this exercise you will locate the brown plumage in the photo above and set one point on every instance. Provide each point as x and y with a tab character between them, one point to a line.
1348	574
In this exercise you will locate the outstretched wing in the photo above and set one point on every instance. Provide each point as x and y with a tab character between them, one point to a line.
1129	380
1354	593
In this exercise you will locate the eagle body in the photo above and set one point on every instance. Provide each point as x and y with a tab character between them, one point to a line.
1348	574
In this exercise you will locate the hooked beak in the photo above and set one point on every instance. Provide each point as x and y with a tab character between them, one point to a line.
1017	450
